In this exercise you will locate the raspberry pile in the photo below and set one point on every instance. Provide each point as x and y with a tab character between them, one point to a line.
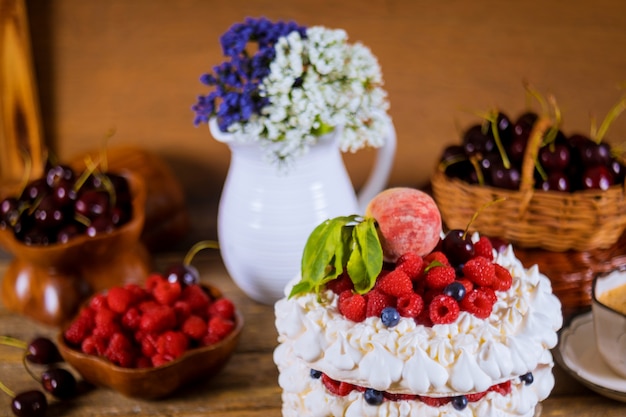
137	327
458	275
375	397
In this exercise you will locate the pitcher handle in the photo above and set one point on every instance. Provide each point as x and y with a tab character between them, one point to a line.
377	180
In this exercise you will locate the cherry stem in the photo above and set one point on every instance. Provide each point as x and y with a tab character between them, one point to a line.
480	210
204	244
478	170
7	390
25	364
16	343
610	117
535	94
103	154
493	119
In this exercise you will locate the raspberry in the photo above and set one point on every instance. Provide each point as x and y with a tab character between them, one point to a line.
503	389
120	350
166	292
222	307
503	280
423	318
352	306
98	301
434	401
436	256
469	285
194	327
172	344
481	271
79	329
196	297
152	281
131	319
119	299
484	248
340	284
443	309
335	387
183	311
396	283
410	305
148	345
376	301
105	323
158	319
146	306
93	345
158	360
137	294
143	362
218	328
412	264
438	277
478	302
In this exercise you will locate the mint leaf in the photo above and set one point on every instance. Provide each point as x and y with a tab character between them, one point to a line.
336	244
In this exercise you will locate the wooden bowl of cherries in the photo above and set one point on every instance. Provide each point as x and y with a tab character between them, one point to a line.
71	234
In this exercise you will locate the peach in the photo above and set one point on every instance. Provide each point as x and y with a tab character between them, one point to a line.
408	221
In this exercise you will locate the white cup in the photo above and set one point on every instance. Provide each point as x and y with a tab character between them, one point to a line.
609	318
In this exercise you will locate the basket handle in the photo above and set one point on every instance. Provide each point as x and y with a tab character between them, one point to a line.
527	183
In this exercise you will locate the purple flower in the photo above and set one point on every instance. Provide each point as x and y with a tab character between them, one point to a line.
236	82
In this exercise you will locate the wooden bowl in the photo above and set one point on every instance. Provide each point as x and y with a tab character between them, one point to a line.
48	283
157	382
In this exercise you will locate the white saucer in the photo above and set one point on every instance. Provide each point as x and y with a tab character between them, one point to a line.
578	355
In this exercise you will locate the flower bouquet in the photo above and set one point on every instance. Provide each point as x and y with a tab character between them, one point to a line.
284	86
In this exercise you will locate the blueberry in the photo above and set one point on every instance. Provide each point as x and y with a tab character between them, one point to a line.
315	374
390	316
455	290
373	397
527	378
459	402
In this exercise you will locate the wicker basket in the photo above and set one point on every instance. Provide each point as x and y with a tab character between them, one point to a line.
529	218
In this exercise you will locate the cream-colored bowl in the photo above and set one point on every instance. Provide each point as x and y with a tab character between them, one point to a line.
609	318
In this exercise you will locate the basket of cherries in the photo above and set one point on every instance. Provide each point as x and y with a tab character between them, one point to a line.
555	191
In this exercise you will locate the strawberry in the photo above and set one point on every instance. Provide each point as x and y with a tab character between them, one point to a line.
478	302
481	271
376	301
352	306
484	248
119	299
503	389
503	280
475	397
336	387
400	397
443	309
410	305
412	264
396	283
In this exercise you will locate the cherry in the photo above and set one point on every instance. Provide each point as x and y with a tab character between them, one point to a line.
458	247
48	214
557	181
593	153
92	203
505	128
99	225
44	351
58	173
507	178
617	170
69	231
478	141
29	404
59	382
64	193
554	157
597	178
183	274
9	211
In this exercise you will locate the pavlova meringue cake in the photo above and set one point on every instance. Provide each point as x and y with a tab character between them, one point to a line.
447	326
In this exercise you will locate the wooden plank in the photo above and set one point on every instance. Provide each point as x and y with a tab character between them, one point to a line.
20	121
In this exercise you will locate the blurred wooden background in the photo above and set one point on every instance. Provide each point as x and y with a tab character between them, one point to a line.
135	65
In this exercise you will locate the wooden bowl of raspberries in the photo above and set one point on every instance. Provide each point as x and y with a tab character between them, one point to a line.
148	341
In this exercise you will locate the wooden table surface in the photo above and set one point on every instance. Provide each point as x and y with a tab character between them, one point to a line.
246	387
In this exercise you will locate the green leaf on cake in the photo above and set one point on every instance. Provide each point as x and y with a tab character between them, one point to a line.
343	242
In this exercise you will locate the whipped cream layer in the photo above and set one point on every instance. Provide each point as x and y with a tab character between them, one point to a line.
467	356
304	396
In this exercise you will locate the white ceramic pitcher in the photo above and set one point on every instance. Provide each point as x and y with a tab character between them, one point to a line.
265	216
